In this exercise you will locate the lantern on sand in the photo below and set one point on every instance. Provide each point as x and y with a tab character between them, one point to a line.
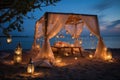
108	56
30	67
17	59
18	54
90	56
18	50
9	39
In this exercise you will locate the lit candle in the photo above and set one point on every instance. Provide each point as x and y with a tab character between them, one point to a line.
58	59
90	56
75	58
38	46
66	54
72	45
108	57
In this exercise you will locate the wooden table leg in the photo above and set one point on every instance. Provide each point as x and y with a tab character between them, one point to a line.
81	52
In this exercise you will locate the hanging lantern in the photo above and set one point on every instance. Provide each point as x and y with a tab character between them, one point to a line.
17	58
67	32
91	34
73	37
38	46
30	67
9	39
57	36
18	50
61	36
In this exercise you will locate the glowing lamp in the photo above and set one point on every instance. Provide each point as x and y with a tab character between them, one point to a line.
90	56
9	39
38	46
80	42
30	67
18	50
58	59
61	36
108	57
62	45
57	36
17	59
73	38
75	58
90	34
72	45
66	54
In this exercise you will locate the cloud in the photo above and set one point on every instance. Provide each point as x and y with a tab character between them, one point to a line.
103	28
104	4
110	28
117	26
114	24
114	27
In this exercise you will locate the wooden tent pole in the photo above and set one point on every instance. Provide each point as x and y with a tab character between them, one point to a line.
46	25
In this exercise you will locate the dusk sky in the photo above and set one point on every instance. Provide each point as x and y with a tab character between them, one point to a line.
108	12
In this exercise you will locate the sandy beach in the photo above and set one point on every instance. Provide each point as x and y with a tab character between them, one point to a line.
73	67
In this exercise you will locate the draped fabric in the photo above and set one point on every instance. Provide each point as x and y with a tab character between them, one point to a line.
74	26
54	26
37	34
92	25
50	26
74	30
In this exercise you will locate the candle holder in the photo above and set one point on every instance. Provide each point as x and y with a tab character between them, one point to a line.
30	67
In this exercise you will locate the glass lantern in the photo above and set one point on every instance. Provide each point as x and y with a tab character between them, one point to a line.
30	67
17	58
18	50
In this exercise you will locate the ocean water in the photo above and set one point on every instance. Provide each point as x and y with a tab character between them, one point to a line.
87	42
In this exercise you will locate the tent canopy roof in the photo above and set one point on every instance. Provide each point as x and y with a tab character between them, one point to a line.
73	19
70	13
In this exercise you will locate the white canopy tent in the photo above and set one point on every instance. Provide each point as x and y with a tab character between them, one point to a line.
50	24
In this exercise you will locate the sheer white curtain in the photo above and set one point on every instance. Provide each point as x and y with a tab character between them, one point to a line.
37	34
92	25
55	24
75	31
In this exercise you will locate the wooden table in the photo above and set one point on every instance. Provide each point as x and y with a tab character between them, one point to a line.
59	48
